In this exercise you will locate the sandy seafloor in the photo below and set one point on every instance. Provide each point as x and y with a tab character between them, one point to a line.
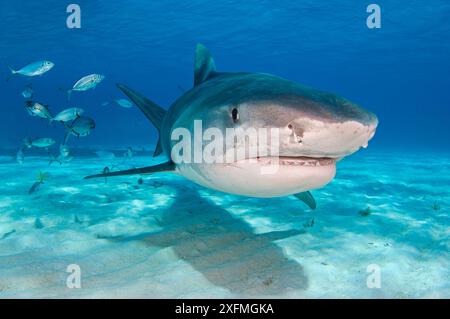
169	238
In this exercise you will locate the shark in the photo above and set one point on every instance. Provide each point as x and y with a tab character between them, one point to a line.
314	130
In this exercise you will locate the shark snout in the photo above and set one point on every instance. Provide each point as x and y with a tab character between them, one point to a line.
323	138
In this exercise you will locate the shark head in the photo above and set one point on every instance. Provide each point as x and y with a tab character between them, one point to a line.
285	138
254	134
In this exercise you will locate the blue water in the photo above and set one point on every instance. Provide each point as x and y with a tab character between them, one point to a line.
400	72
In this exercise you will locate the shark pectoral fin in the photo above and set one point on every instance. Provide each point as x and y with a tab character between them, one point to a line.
164	167
307	198
204	66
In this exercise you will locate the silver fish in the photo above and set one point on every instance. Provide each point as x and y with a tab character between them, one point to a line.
85	83
81	126
44	142
129	153
33	69
20	156
38	109
124	103
60	159
64	150
68	115
63	157
28	92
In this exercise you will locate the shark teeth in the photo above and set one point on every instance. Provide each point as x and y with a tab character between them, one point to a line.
297	161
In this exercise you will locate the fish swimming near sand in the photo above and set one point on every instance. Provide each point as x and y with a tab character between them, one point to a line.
85	83
38	110
313	130
63	157
81	126
128	155
33	69
60	159
68	115
64	150
40	180
44	142
20	157
28	92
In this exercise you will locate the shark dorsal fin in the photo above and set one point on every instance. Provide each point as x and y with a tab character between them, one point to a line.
204	66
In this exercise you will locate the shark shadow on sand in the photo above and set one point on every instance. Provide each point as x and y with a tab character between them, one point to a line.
224	248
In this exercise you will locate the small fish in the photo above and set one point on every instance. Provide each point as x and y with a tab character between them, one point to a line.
105	103
63	157
40	180
20	156
33	69
34	188
64	150
38	109
128	154
105	155
81	126
85	83
60	159
44	142
124	103
68	115
28	92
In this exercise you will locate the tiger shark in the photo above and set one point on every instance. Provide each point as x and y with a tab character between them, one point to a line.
314	130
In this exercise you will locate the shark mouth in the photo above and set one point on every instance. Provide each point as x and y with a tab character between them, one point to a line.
294	161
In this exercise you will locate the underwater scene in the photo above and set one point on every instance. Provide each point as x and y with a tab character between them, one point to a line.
224	149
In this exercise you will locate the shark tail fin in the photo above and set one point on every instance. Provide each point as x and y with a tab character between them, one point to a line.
307	198
204	66
164	167
151	110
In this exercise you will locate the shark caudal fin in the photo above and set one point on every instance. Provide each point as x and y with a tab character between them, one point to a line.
204	66
152	111
307	198
164	167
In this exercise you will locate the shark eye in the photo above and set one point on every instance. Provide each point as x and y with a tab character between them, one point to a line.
235	115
